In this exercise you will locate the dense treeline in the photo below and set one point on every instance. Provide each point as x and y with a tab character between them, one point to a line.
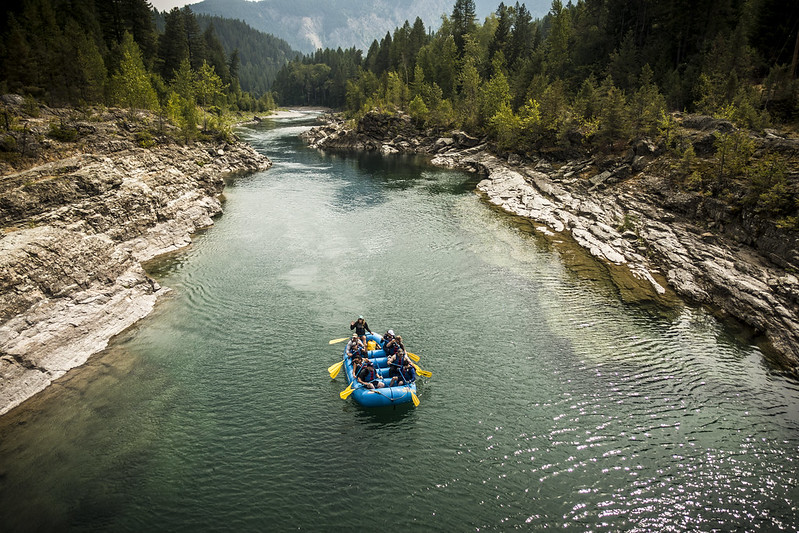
606	68
590	75
260	55
82	52
318	79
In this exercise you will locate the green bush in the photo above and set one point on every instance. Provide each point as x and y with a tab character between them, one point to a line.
62	133
145	139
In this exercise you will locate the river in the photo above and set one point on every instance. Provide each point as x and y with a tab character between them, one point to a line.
553	403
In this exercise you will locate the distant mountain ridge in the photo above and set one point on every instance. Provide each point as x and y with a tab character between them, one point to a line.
311	24
261	55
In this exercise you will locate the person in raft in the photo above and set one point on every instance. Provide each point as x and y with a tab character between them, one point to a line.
396	362
388	337
368	376
394	345
407	375
355	348
356	365
361	327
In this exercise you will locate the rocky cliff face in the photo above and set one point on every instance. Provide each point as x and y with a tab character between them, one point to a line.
653	238
76	230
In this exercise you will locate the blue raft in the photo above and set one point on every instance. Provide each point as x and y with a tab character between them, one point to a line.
378	397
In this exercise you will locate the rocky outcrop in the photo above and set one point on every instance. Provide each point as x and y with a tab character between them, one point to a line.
653	238
75	234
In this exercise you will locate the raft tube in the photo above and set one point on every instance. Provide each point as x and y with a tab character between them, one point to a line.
378	397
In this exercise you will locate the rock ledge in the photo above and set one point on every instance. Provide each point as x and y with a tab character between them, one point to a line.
75	234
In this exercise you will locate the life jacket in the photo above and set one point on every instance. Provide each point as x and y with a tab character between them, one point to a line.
392	349
371	373
387	338
405	373
356	350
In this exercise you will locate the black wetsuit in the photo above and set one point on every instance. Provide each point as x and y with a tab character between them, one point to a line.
360	330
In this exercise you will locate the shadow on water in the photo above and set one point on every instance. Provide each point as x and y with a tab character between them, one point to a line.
391	174
382	416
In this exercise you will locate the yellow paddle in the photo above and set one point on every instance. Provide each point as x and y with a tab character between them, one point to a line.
336	341
423	373
335	369
415	399
346	392
413	356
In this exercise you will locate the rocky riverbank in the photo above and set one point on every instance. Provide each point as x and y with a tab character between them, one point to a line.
625	211
102	193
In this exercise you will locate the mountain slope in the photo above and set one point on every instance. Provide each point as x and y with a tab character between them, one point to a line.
311	24
261	55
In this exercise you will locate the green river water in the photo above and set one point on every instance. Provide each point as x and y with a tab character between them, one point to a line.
553	404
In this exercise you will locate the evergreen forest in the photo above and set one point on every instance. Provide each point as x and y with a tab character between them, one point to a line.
603	70
591	77
86	52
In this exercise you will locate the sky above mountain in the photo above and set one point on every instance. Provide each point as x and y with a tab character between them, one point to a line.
166	5
311	24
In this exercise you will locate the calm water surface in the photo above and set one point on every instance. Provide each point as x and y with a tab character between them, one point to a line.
552	403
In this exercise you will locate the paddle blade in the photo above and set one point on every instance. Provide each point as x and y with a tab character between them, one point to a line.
415	399
332	367
335	372
346	392
336	341
413	356
423	373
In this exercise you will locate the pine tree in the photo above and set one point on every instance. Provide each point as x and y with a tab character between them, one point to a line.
416	40
89	69
216	54
172	46
400	53
614	121
130	86
446	67
137	18
233	69
18	62
469	96
383	59
194	38
558	52
494	94
463	22
182	106
501	38
647	104
522	36
184	82
209	89
624	65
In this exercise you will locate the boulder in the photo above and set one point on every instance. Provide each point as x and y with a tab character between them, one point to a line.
465	140
644	147
707	123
